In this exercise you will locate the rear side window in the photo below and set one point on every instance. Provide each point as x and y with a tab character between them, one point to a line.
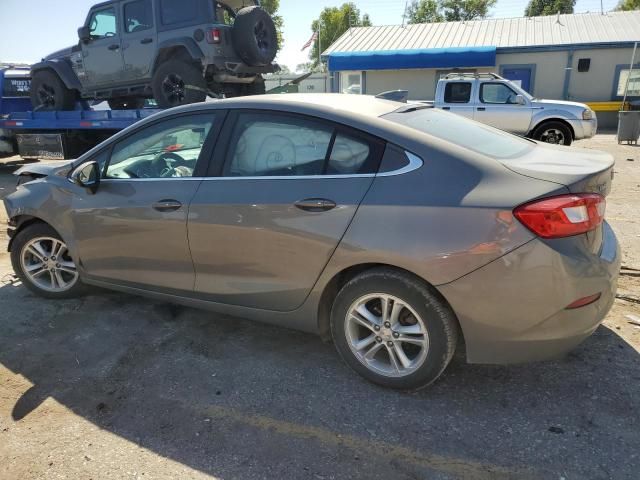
457	92
173	12
463	132
285	145
138	16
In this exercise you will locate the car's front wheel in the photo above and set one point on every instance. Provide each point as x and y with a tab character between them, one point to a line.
42	262
393	329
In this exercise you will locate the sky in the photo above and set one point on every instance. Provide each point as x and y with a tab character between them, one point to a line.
31	29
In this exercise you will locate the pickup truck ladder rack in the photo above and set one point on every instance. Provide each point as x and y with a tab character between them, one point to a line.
492	76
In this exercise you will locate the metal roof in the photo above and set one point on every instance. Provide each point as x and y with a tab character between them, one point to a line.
555	30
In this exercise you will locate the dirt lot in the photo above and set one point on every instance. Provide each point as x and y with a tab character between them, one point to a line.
115	386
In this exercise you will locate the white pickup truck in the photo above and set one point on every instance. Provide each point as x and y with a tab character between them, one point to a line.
496	101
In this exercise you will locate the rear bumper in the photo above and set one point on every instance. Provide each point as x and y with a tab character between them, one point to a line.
514	309
584	128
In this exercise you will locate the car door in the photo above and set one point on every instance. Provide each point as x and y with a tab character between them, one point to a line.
459	97
133	230
102	53
139	39
263	228
497	106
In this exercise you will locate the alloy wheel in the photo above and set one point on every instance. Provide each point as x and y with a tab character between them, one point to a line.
46	95
552	135
386	335
174	89
47	264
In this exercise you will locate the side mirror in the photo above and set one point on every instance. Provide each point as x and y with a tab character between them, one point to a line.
87	176
520	100
84	34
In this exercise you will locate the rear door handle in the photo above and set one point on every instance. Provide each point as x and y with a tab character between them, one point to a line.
315	204
144	41
113	47
481	109
167	205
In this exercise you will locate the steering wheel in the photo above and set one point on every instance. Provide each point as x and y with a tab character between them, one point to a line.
164	165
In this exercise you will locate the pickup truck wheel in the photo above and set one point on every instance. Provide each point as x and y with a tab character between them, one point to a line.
254	36
178	83
556	133
48	92
126	103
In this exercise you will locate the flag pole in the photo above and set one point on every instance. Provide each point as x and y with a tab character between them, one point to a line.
319	57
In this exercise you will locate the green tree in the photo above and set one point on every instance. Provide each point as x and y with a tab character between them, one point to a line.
628	5
538	8
429	11
272	6
333	22
423	11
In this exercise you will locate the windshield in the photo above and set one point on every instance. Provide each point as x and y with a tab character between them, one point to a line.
463	132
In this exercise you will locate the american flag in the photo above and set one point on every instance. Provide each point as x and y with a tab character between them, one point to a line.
313	38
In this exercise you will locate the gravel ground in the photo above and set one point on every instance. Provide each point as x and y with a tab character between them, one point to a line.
116	386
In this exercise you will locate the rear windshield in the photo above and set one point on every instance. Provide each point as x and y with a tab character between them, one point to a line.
462	131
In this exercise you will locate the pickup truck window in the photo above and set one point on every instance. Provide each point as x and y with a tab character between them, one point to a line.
497	93
138	16
463	132
103	23
457	92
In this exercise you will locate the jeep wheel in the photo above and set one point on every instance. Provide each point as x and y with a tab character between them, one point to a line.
126	103
178	83
48	92
254	36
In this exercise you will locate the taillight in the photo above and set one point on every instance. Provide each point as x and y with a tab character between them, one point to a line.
213	35
562	216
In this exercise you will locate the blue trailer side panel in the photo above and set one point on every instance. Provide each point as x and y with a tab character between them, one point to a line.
75	120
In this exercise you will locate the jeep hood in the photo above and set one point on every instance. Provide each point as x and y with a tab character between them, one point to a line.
65	52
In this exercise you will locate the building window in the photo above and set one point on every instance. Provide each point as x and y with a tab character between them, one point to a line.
351	82
634	83
584	64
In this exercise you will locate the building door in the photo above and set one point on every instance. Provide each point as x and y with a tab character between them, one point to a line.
521	76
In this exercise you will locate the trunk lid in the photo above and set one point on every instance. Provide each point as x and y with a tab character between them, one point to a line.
581	170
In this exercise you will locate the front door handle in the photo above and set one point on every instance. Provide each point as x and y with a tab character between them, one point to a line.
315	204
144	41
167	205
481	109
115	46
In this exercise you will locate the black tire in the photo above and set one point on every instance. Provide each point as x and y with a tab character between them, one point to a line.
254	36
438	318
177	82
26	235
126	103
48	92
553	132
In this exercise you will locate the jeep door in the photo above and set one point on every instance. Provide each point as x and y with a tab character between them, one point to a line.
133	230
102	54
285	189
139	39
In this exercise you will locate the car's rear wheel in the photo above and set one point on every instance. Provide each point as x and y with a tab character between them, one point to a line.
41	260
556	133
393	329
126	103
48	92
178	83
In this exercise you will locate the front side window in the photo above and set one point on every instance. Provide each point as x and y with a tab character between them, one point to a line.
167	149
497	93
138	16
457	92
173	12
634	83
283	145
103	24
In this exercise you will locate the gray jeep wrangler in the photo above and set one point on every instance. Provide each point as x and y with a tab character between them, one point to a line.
175	51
